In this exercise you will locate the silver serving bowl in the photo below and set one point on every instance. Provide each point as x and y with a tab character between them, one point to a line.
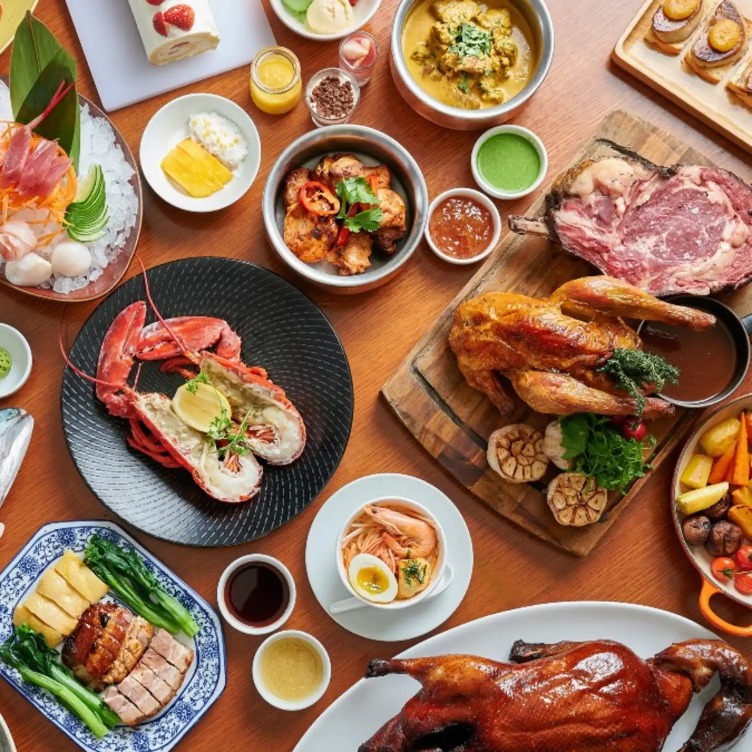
535	13
372	147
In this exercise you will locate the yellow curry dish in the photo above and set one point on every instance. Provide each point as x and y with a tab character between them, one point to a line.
466	54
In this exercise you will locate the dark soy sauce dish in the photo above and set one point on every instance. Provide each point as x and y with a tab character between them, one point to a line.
713	363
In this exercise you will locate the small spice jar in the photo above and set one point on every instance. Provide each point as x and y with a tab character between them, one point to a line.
332	96
358	54
275	80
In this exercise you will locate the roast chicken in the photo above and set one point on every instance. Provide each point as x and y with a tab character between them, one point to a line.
567	697
551	350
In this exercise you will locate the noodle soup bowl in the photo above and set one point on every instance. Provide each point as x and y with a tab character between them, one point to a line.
405	506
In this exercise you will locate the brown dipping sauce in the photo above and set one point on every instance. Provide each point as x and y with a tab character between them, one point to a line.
460	227
257	594
707	360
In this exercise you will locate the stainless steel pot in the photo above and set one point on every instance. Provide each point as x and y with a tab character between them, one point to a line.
535	13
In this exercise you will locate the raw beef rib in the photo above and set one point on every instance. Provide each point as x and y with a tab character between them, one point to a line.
681	229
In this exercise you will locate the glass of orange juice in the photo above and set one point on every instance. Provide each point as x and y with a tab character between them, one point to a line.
275	80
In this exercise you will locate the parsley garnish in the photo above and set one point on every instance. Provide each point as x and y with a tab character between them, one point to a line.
464	84
601	452
358	191
636	370
222	429
472	41
412	570
192	385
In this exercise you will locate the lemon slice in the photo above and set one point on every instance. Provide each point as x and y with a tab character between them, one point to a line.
199	408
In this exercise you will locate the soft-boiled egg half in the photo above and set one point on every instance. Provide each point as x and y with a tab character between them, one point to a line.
372	579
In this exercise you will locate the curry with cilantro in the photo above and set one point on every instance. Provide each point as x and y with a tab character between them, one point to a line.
467	54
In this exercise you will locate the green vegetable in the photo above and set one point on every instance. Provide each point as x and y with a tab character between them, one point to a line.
223	430
601	452
464	84
353	191
86	218
5	363
127	575
472	41
414	571
28	653
192	385
38	65
297	8
634	371
368	220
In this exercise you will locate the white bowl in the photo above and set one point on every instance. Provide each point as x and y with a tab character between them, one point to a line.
395	605
481	199
6	740
287	704
169	126
235	622
20	354
363	12
520	131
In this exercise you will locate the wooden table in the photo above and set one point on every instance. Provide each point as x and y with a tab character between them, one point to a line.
639	561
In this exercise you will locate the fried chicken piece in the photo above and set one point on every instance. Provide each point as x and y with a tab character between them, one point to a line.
393	223
307	235
456	12
345	166
321	170
381	173
355	256
294	181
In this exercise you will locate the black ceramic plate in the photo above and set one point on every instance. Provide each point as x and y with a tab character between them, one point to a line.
282	331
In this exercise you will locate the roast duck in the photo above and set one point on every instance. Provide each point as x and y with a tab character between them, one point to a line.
567	697
679	229
551	350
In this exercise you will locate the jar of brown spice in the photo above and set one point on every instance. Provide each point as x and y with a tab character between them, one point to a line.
332	95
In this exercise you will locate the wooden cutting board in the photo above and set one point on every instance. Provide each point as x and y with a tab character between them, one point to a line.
453	421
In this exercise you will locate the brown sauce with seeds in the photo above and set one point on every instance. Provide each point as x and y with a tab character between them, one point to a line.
460	227
257	594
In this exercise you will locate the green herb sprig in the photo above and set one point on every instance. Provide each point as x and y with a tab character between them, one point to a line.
223	429
353	191
601	452
635	371
471	41
414	571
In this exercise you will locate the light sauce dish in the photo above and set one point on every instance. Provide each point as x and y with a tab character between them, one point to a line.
14	348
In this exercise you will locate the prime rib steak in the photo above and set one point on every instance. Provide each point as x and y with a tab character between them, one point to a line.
680	229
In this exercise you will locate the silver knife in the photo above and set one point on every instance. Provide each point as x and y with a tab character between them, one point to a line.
16	426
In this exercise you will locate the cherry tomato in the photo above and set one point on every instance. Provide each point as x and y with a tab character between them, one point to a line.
634	429
743	558
723	568
743	583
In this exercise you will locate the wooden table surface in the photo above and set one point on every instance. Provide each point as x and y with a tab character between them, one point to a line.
639	561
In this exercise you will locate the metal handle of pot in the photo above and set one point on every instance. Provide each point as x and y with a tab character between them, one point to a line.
707	592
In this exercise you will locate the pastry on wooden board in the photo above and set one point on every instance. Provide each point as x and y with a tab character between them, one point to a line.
740	83
674	22
721	43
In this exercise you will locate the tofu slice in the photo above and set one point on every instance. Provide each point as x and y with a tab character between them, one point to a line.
51	614
55	587
80	577
22	615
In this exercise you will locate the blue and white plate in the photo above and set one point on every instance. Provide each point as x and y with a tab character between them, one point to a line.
204	682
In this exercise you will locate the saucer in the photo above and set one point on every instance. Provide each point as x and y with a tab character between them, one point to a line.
372	623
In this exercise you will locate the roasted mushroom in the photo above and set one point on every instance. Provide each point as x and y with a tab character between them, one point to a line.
515	452
725	539
719	509
576	500
696	530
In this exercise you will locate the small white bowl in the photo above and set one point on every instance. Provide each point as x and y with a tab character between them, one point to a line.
520	131
481	199
363	12
230	570
169	126
395	605
286	704
6	740
20	354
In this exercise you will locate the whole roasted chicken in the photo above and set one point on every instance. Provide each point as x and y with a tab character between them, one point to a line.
552	350
567	697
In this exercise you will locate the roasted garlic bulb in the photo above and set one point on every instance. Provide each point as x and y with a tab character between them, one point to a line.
515	452
576	500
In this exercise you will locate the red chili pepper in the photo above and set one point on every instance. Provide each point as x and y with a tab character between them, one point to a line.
344	233
313	194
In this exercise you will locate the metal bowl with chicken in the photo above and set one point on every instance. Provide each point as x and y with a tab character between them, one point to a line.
345	207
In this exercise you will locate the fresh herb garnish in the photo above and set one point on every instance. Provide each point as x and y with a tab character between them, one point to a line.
633	371
471	41
464	84
192	385
601	452
223	430
413	570
352	191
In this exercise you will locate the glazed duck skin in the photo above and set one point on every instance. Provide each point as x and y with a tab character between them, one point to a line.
567	697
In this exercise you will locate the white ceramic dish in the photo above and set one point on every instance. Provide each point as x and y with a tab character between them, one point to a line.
6	740
382	624
169	126
486	203
438	571
287	704
20	354
493	190
363	12
261	559
344	725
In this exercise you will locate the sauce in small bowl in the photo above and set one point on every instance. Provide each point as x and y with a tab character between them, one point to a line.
509	162
464	226
256	594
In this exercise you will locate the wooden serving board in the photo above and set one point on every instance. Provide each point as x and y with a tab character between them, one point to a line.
712	103
453	421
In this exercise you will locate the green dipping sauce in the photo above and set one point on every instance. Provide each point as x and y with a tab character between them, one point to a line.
509	162
5	363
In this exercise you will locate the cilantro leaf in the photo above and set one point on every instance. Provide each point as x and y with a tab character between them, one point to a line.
354	191
368	220
472	41
464	84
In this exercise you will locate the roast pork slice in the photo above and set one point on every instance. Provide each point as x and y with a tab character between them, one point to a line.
132	648
139	696
165	671
171	650
123	707
159	689
685	229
